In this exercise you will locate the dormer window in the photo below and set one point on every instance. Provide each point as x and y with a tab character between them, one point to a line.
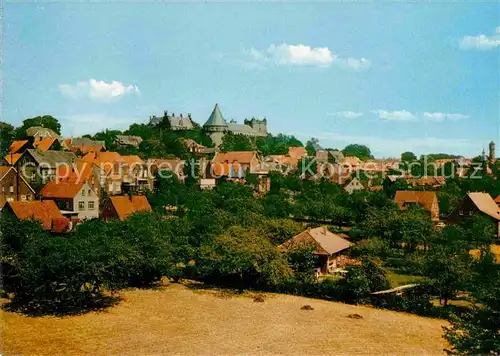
83	192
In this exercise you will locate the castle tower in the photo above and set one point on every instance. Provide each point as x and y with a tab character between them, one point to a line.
216	126
259	126
492	156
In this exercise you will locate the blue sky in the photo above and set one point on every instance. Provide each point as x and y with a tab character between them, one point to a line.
420	77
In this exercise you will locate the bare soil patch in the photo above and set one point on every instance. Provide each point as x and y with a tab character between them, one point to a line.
180	320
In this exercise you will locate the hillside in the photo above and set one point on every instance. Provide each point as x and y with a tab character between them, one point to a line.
181	320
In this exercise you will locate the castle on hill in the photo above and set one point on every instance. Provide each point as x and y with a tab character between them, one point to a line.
216	126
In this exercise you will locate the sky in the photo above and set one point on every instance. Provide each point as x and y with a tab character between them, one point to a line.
421	77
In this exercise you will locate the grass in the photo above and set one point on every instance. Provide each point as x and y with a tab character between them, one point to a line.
180	320
396	279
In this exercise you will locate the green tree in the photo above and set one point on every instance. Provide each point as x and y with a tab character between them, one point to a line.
408	157
234	142
46	121
360	151
311	146
447	271
7	133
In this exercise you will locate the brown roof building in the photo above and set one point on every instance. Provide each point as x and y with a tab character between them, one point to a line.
427	200
13	187
45	212
477	203
121	207
327	246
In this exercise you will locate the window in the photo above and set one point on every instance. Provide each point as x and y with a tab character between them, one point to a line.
3	189
81	205
11	189
29	197
23	197
461	212
83	192
88	192
91	205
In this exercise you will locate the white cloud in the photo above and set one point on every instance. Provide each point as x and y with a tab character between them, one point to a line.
97	90
440	116
397	115
481	42
346	114
353	63
303	55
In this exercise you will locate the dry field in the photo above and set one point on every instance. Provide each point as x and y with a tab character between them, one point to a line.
184	321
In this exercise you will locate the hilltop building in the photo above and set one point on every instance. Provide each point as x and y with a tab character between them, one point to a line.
176	123
216	126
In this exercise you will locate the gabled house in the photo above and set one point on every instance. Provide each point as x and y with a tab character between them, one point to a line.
84	145
46	144
353	185
41	132
128	140
83	172
137	176
427	181
121	207
232	164
427	200
13	186
193	146
112	164
477	203
19	146
38	166
73	199
328	247
45	212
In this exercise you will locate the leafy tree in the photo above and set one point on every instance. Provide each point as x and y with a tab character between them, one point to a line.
303	261
360	151
311	146
408	157
478	331
46	121
7	133
447	271
242	257
235	142
362	280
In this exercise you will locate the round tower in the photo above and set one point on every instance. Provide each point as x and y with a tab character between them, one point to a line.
492	155
216	126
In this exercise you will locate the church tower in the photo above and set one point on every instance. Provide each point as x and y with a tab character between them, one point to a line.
492	156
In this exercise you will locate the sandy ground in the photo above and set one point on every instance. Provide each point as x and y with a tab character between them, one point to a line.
180	320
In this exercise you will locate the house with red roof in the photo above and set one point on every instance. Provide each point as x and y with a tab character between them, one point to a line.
121	207
427	200
477	203
328	247
497	200
72	198
45	212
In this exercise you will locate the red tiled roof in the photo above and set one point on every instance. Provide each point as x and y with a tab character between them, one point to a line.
425	199
13	158
17	145
497	199
46	212
327	242
60	189
243	157
140	203
79	172
297	152
44	144
125	207
132	160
